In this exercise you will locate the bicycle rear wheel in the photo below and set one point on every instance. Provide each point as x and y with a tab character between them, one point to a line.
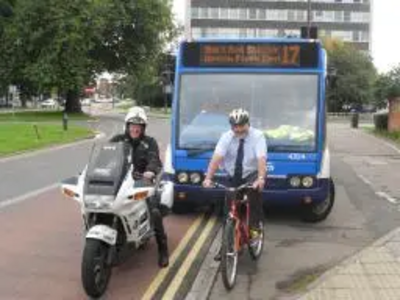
256	247
229	255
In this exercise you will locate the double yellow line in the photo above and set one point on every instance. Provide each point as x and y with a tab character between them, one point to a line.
177	280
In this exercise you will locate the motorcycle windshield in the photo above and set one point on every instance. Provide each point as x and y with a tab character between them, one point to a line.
108	165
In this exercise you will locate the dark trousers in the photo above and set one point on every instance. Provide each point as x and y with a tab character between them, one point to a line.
156	216
255	201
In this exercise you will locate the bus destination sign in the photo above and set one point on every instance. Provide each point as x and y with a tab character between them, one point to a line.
233	55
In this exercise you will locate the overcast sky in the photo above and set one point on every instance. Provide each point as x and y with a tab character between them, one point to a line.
385	31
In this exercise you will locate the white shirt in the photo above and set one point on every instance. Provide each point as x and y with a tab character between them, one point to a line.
255	147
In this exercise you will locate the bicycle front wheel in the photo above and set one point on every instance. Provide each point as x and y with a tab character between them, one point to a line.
257	244
229	255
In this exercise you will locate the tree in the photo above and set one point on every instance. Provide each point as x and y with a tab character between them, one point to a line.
63	44
356	76
387	86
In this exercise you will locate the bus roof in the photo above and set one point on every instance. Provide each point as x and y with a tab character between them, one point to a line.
252	40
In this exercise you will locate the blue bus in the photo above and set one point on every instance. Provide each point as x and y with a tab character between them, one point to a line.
282	83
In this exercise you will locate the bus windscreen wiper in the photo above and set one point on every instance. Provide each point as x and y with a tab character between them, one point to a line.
198	149
288	148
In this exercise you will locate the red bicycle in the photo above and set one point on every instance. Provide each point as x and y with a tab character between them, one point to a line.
236	233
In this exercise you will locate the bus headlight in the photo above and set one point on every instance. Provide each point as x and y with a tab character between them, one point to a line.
295	181
183	177
308	181
195	178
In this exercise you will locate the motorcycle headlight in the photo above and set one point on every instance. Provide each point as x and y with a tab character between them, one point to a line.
195	178
98	201
295	181
183	177
308	181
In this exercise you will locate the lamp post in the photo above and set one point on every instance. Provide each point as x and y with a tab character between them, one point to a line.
309	18
167	87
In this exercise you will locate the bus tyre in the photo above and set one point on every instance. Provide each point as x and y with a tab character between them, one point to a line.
319	211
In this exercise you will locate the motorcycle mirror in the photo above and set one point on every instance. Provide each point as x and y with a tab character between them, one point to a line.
72	180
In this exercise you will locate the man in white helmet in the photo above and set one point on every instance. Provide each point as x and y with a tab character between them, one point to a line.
147	164
242	153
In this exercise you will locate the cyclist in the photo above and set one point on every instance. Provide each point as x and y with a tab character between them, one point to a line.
242	152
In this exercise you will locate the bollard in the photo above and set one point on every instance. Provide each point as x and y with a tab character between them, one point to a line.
354	120
65	121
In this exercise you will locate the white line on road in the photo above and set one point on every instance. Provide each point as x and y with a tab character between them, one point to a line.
387	197
364	179
27	196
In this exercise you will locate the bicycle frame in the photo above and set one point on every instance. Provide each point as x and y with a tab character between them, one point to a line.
241	226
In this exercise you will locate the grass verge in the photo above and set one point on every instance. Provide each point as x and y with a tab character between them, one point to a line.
393	136
40	116
21	137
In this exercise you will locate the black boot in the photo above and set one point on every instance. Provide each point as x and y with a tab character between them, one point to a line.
163	256
161	239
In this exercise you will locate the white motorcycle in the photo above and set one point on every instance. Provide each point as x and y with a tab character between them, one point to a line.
115	211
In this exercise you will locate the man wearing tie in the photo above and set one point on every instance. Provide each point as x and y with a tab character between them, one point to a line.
242	152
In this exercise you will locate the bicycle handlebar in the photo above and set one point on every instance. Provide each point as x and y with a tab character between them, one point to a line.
239	188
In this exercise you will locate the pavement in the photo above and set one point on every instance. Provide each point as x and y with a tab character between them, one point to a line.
298	258
374	272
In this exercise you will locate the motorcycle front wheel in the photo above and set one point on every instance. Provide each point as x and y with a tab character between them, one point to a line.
95	271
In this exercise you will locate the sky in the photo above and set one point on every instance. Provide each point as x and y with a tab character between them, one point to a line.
385	31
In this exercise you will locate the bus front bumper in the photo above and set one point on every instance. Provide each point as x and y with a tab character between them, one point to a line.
289	196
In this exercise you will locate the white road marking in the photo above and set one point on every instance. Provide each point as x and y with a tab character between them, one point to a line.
27	196
387	197
364	179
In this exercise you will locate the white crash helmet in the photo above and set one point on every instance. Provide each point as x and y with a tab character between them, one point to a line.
136	115
239	117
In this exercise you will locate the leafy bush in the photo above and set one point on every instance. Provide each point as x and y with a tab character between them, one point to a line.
381	121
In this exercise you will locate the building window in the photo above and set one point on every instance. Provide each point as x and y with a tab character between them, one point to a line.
291	15
329	16
365	36
203	32
301	15
195	12
252	14
196	32
242	32
213	32
282	15
262	14
214	13
347	16
338	16
251	32
224	13
356	36
203	12
243	13
234	13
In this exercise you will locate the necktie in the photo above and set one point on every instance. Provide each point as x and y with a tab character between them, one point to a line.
239	163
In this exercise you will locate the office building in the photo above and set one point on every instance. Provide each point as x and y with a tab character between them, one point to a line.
349	20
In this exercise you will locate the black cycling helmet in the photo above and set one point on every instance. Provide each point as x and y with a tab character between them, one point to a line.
239	117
